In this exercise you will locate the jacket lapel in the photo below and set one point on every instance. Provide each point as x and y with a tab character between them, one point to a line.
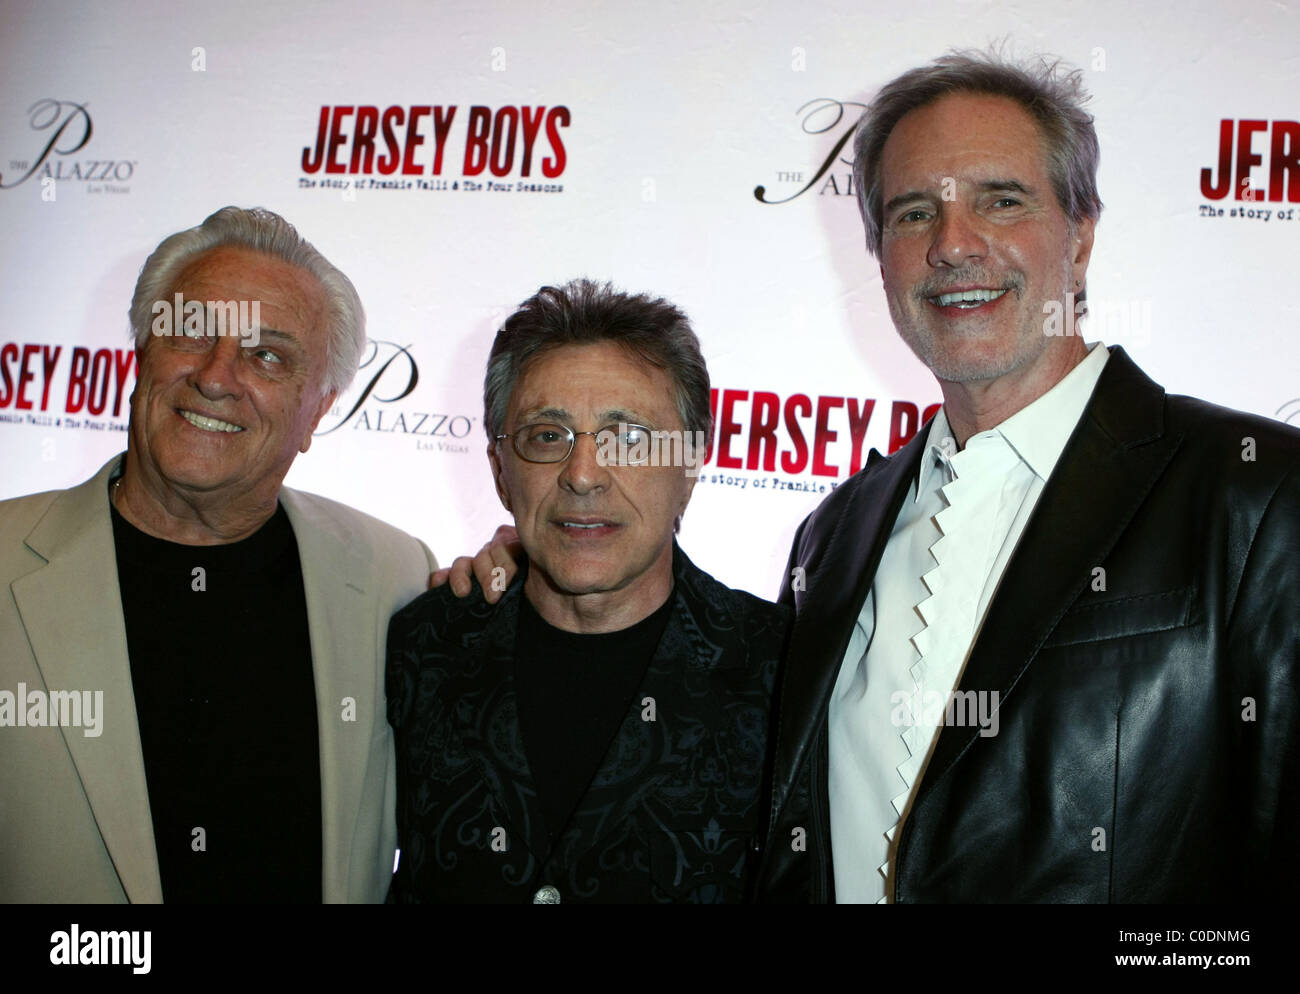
838	575
341	627
699	640
486	717
79	643
1105	472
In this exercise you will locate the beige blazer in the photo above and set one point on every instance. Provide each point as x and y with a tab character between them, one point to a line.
74	809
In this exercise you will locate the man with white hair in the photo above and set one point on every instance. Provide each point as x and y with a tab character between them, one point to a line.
191	664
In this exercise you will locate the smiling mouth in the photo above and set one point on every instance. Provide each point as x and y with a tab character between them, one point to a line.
208	424
576	527
966	299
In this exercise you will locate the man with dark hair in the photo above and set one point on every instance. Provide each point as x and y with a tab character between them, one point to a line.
1040	652
191	680
599	734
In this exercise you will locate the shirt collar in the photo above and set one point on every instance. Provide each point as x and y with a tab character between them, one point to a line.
939	446
1037	432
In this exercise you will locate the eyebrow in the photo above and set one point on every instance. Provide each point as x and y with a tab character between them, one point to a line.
987	186
290	343
554	413
559	414
994	185
278	335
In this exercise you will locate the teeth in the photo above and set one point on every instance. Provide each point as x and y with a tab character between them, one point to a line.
972	297
574	524
209	424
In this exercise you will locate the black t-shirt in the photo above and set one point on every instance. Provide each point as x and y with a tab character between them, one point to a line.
226	702
573	692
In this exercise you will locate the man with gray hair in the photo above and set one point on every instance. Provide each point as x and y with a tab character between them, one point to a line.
223	634
598	735
1048	650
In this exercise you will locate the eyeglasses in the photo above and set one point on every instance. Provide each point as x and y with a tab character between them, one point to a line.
616	444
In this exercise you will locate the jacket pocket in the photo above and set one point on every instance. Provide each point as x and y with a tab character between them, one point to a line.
1124	617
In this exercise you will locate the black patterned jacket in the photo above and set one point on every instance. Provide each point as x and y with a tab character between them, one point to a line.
674	810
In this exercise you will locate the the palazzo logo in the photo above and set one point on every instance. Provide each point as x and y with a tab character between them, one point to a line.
388	375
63	128
834	177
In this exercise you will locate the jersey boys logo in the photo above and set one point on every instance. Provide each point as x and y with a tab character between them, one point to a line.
824	436
1245	144
62	129
39	383
425	140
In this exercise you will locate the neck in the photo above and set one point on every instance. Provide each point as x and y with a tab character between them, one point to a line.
187	518
978	405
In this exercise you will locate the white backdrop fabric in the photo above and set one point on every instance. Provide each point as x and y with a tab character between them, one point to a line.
640	134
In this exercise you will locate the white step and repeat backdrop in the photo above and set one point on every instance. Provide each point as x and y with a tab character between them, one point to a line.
689	149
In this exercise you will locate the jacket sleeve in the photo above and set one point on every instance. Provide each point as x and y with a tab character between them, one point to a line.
1263	645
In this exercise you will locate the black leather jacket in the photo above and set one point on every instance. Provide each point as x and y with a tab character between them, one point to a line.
1146	749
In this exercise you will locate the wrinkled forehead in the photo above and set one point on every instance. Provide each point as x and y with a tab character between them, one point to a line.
605	381
963	138
234	273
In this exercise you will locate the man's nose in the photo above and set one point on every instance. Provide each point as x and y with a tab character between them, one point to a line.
959	237
582	472
217	374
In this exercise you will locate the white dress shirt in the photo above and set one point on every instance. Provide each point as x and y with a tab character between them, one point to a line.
943	562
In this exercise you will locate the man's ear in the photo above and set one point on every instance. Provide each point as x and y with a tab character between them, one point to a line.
139	365
1081	249
686	499
494	458
326	403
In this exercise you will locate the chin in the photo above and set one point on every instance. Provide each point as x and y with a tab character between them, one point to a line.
576	578
968	360
585	579
970	369
195	474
